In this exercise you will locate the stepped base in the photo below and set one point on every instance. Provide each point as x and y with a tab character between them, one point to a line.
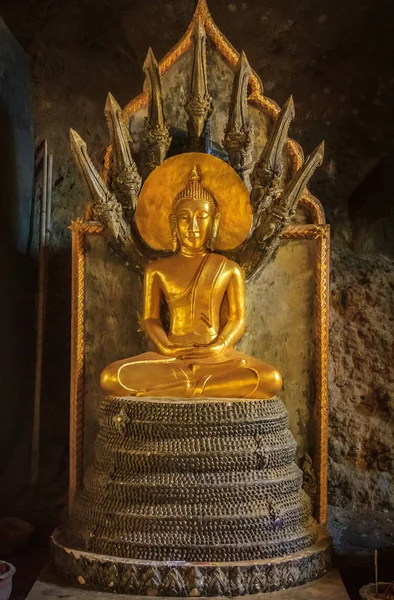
195	480
176	578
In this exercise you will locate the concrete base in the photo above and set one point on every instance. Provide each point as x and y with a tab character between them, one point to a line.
50	585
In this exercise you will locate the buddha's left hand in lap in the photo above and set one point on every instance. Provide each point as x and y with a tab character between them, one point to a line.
205	351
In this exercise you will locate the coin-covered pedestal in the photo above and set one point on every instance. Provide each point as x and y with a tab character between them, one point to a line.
196	497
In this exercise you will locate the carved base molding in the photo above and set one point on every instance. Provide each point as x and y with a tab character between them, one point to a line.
165	578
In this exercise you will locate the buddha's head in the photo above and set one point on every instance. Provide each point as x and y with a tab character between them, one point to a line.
194	217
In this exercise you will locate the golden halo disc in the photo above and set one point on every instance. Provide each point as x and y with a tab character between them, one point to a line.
166	181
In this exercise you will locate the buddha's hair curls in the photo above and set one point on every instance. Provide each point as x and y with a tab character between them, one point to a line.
194	190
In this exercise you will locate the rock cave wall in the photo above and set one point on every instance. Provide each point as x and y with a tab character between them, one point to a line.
16	264
334	57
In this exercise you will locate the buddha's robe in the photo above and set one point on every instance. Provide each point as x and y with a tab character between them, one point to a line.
194	319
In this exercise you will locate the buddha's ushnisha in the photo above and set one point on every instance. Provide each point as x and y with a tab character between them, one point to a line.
204	292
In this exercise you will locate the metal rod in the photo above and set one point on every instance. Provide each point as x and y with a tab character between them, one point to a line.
35	453
49	201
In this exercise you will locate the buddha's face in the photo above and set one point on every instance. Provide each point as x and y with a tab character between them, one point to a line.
193	223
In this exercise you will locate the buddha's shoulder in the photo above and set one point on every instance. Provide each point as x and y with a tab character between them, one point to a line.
160	265
166	265
228	265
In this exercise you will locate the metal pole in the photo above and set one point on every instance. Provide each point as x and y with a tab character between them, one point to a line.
49	201
35	453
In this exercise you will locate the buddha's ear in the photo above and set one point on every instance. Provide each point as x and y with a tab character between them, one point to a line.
174	234
214	232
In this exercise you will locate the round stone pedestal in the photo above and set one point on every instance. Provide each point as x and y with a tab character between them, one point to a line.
192	497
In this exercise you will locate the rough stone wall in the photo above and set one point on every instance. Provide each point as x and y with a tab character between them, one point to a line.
335	57
362	383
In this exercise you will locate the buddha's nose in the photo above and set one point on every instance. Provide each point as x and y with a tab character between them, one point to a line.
193	227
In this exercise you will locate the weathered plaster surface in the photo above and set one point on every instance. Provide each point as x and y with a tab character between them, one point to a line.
280	312
113	303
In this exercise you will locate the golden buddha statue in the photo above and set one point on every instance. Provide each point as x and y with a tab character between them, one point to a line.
204	292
